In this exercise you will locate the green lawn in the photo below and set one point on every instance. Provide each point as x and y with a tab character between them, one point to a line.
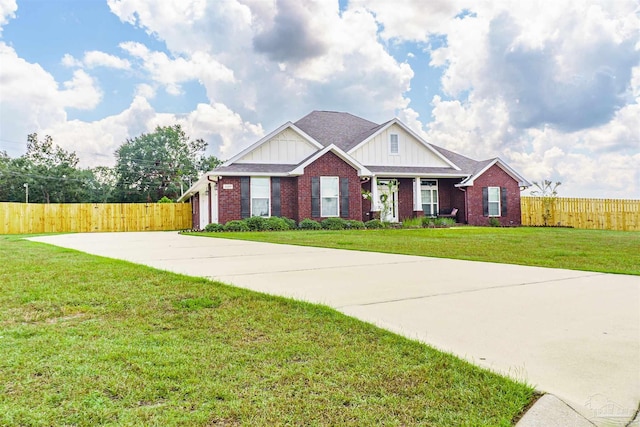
87	340
590	250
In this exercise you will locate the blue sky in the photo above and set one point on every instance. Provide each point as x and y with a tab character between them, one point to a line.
552	90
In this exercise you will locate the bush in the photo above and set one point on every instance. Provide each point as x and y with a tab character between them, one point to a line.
256	223
353	224
412	222
494	222
334	224
236	225
291	223
374	223
165	199
309	224
213	228
427	222
275	223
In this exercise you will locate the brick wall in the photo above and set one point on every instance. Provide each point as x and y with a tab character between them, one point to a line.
405	198
289	197
494	177
329	165
229	199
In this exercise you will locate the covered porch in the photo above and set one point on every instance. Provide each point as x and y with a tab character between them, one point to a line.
394	198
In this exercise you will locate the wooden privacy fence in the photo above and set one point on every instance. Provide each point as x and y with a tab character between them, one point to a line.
22	218
600	214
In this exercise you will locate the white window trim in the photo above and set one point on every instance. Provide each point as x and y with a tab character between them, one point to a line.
499	201
337	179
398	142
430	187
251	194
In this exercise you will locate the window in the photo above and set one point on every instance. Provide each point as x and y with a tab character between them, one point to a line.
494	201
394	145
329	196
429	193
260	196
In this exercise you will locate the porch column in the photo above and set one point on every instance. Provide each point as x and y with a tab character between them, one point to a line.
375	197
417	195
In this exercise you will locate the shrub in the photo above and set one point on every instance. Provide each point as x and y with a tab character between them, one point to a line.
334	224
494	222
165	199
412	223
427	221
374	223
275	223
256	223
354	224
291	223
309	224
213	228
236	225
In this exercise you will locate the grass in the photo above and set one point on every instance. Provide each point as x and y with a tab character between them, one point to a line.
589	250
86	340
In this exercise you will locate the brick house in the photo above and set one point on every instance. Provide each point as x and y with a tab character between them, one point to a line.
332	164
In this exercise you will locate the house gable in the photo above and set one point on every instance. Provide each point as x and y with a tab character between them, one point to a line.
285	147
374	151
362	171
489	165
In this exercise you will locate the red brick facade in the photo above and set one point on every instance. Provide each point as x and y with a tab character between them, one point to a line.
295	197
295	192
289	197
405	198
228	199
494	177
328	165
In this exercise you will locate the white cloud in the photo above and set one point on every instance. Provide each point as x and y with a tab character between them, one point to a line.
412	20
171	72
70	62
7	11
146	91
96	58
332	60
80	92
96	142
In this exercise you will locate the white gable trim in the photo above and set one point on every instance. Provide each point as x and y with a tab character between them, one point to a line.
410	132
502	165
362	171
200	183
268	137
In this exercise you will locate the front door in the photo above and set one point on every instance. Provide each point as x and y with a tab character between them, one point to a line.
388	191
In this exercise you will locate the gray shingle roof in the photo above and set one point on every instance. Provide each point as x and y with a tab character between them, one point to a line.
415	170
344	130
255	168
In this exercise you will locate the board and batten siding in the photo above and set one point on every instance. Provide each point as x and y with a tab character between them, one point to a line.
411	152
287	147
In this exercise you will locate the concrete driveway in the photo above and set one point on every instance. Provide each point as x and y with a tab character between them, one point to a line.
574	334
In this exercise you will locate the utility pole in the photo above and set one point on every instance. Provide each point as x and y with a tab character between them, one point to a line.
26	193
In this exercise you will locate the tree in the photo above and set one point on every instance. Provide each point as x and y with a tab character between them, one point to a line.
548	191
52	176
162	163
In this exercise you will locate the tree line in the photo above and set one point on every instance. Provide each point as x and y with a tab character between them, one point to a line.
156	166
